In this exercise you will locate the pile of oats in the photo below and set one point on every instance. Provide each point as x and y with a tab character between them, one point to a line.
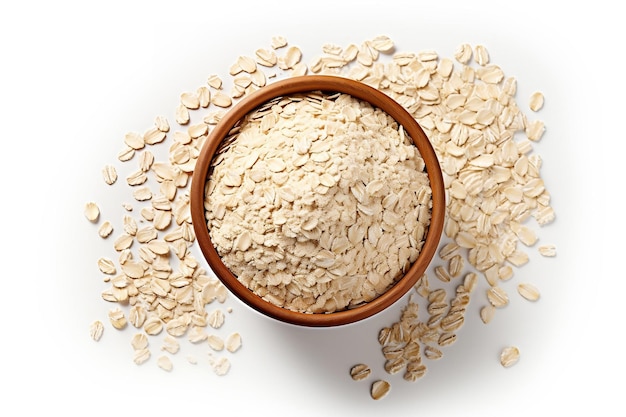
319	203
465	104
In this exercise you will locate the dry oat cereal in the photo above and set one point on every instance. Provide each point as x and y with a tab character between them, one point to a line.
380	389
360	371
319	203
96	329
547	250
139	341
109	174
140	356
536	101
215	342
233	342
117	318
170	344
92	211
497	296
165	363
105	229
528	291
509	356
494	191
220	366
487	313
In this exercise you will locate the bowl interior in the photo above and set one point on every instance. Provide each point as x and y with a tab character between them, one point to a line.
304	84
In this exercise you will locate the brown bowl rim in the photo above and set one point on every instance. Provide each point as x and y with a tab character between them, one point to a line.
303	84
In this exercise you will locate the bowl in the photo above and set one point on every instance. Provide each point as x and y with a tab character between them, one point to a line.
300	85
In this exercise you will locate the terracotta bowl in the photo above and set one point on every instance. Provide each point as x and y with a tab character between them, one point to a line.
304	84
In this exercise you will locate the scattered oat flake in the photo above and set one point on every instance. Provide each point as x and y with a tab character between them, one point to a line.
547	250
107	266
528	291
379	389
197	334
123	241
204	96
432	353
137	316
139	341
246	63
291	58
505	273
415	370
126	154
481	54
214	81
134	140
96	329
442	273
446	339
109	174
216	318
136	178
448	250
456	265
215	342
141	356
142	194
161	123
497	297
105	229
470	281
487	312
153	136
153	325
220	99
382	43
165	363
278	42
463	53
221	366
536	101
535	130
360	371
92	211
509	356
170	344
117	318
233	342
190	100
265	57
182	114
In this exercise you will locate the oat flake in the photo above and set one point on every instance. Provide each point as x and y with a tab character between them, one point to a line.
528	291
105	229
165	363
360	371
379	389
96	329
92	211
233	342
509	356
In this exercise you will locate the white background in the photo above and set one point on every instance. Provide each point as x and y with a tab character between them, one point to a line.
76	76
